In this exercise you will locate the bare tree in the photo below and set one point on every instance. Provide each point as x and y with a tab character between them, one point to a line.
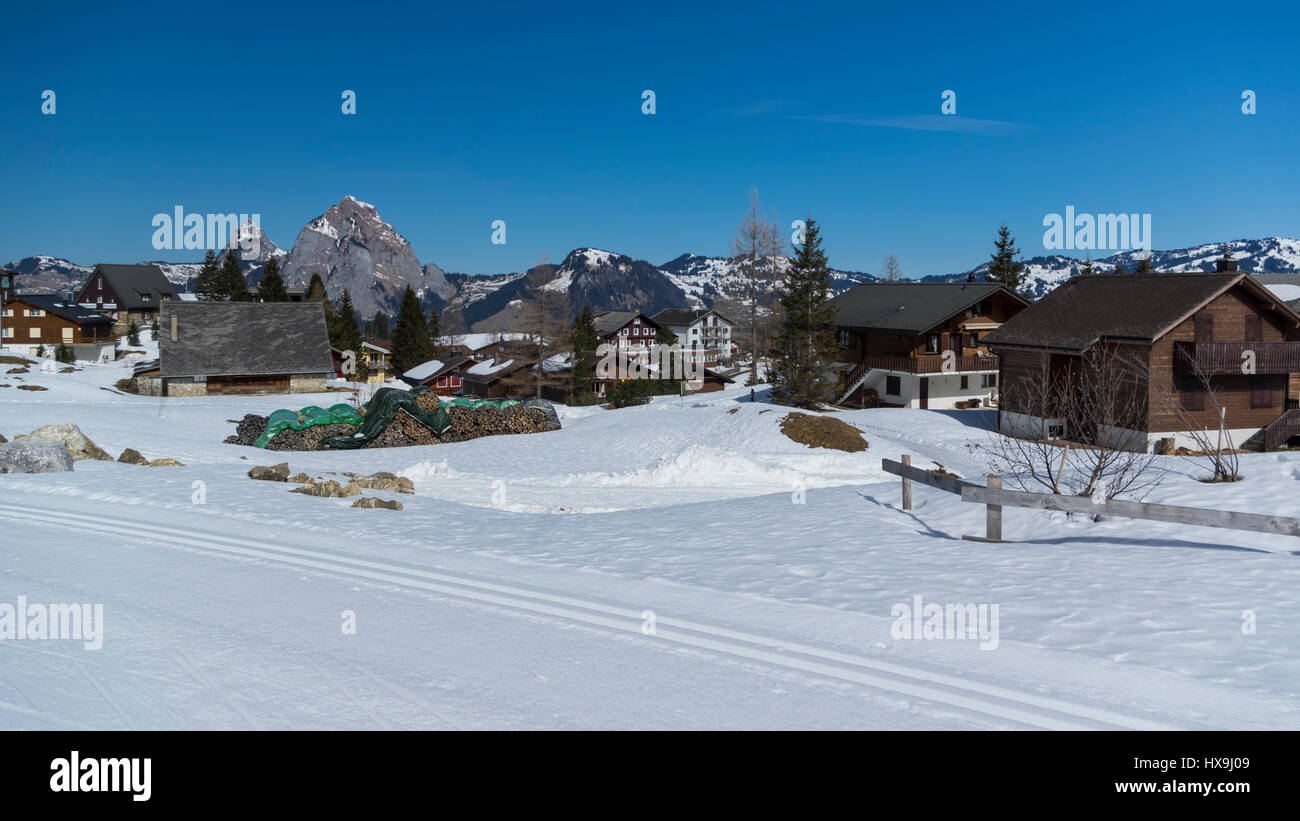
1198	406
543	316
1079	429
749	246
891	271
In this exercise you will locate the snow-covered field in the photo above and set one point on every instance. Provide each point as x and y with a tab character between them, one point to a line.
519	586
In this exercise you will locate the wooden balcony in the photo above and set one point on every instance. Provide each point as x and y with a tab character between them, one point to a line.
932	363
1223	358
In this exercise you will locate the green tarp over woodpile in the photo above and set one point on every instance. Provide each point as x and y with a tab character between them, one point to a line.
382	409
305	418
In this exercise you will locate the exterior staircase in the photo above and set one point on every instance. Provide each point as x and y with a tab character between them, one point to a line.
855	380
1280	430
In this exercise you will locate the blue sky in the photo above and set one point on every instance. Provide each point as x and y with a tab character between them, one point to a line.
531	113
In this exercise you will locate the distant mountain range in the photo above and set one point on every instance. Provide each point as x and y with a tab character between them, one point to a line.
352	247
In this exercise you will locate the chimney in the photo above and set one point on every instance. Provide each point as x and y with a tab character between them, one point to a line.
1223	264
173	327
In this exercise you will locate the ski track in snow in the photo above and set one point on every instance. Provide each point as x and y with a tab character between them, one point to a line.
1020	708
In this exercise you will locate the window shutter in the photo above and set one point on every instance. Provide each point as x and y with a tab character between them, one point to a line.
1261	391
1193	394
1254	328
1204	328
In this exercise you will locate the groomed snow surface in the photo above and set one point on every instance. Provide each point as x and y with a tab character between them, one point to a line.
515	590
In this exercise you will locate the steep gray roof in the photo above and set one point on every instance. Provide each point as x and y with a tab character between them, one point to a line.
909	307
243	339
133	283
1137	307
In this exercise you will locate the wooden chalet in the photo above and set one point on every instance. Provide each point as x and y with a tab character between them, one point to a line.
921	345
34	323
127	293
1188	333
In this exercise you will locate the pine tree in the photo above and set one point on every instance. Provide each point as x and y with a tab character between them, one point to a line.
271	288
1119	267
1087	270
805	345
1144	265
209	284
153	329
316	293
1004	268
345	335
234	288
132	333
380	325
583	341
410	336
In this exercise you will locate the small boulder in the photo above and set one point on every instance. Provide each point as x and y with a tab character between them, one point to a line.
329	489
301	479
3	439
272	473
34	456
34	388
131	456
373	502
385	481
165	463
16	370
71	437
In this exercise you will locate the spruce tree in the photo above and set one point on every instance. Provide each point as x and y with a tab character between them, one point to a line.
234	288
410	336
316	293
380	325
346	334
583	341
805	345
209	284
1119	267
1087	269
1004	268
132	333
271	288
1144	265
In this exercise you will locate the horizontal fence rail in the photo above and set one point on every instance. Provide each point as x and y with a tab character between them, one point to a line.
995	497
1229	519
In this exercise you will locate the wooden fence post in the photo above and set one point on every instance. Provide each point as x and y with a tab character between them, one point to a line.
993	515
907	485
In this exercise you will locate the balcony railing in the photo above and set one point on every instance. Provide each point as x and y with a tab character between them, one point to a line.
1221	358
929	364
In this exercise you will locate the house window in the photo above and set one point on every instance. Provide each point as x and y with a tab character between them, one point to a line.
35	333
893	386
965	382
7	312
1193	394
932	343
67	334
1254	328
974	341
455	381
844	339
1204	327
35	312
442	381
9	333
988	380
1261	391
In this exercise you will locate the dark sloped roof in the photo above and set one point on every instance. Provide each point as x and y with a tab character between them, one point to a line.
67	310
909	307
244	339
684	316
1085	309
607	322
134	282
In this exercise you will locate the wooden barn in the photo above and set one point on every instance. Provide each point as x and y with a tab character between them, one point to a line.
209	348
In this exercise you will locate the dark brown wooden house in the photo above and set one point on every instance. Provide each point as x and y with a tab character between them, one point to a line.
444	376
127	293
33	323
1188	334
921	345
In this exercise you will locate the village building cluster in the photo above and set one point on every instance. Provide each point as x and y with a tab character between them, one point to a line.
1219	345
